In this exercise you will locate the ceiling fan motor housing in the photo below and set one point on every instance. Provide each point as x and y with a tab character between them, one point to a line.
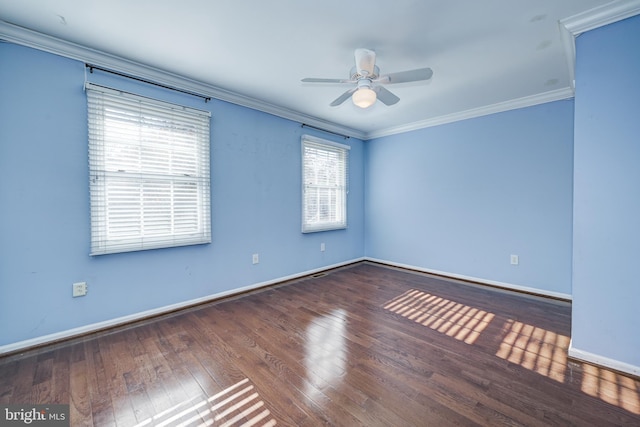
355	75
365	62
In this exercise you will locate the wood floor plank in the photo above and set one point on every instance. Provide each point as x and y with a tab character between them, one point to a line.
363	345
22	382
101	408
78	389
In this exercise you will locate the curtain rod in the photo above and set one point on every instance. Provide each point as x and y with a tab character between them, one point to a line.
304	125
94	67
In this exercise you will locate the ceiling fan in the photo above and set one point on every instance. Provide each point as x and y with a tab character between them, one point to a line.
368	81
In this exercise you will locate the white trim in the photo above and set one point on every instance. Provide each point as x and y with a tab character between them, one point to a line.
603	361
569	44
342	188
570	27
493	283
87	329
22	36
527	101
601	16
573	26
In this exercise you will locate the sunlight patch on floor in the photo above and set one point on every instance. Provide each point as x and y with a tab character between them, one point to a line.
456	320
237	405
536	349
611	387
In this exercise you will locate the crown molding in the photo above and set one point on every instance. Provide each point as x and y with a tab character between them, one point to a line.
25	37
570	28
601	16
527	101
569	45
573	26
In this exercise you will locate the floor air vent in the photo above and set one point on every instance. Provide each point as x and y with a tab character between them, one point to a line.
315	276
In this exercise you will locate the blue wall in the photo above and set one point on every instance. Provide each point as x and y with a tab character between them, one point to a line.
44	200
462	197
606	318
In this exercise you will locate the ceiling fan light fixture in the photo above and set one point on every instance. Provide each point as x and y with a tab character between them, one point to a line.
365	75
364	97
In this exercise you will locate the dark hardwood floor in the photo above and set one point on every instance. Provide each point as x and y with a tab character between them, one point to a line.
363	345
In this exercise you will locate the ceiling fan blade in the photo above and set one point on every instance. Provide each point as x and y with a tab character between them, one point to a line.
406	76
339	100
365	62
385	96
314	80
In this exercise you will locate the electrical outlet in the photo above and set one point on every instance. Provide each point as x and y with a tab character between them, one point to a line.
321	247
256	258
79	289
514	260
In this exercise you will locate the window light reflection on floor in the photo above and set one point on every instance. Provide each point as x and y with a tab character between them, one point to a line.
326	352
456	320
240	402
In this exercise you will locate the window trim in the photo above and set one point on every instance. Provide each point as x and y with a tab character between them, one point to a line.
308	140
99	172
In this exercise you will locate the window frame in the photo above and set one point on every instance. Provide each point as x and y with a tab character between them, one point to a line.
157	158
341	187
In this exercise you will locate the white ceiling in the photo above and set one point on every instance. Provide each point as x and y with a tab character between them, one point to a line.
483	53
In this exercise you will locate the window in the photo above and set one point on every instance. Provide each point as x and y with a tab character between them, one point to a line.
324	184
149	173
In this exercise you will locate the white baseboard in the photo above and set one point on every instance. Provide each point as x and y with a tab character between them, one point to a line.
603	361
507	286
83	330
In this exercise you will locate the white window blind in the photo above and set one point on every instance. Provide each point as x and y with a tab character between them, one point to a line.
324	184
149	173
